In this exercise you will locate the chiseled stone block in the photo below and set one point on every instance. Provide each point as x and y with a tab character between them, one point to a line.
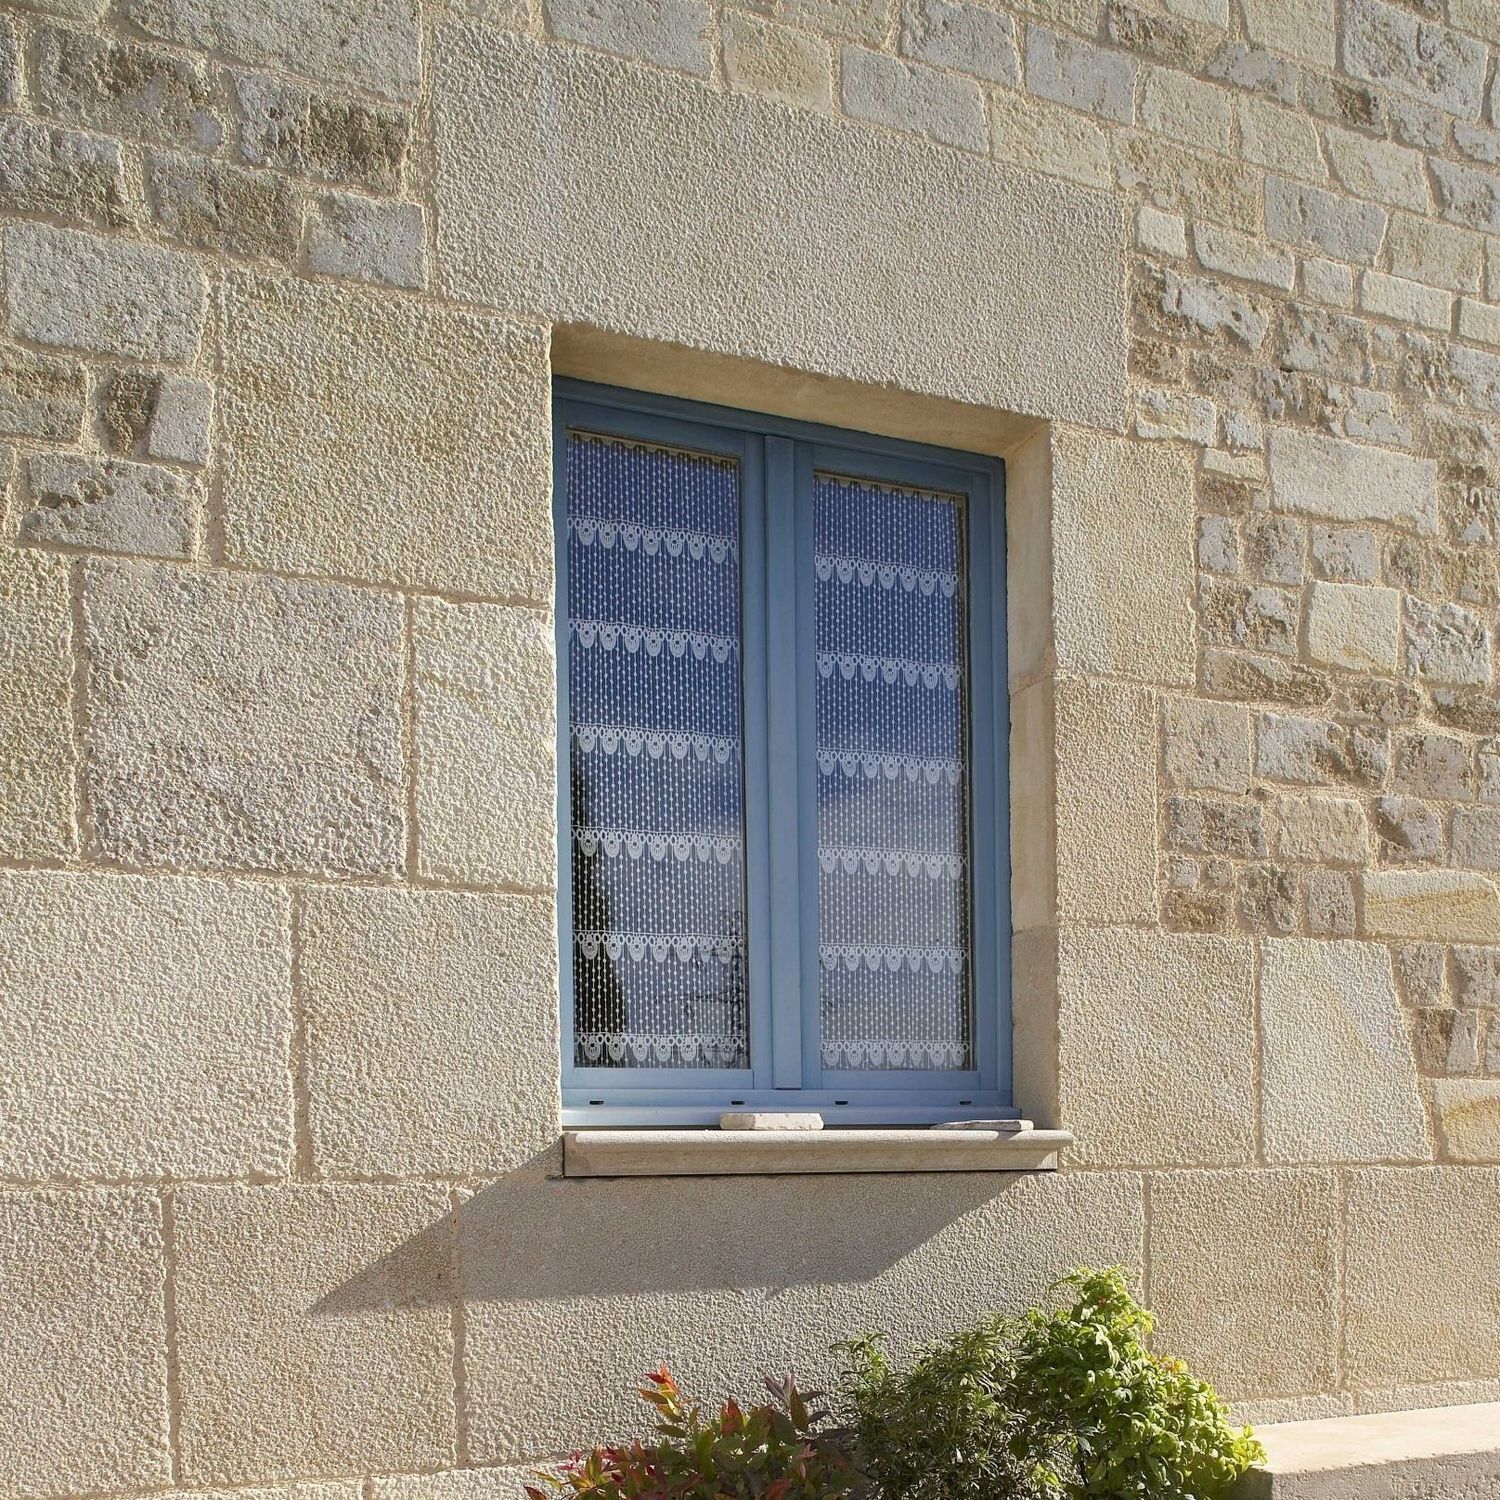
1332	830
146	1027
669	33
367	240
214	205
777	62
1079	74
1313	219
1244	1277
1164	1020
1391	46
1305	29
1443	906
108	506
558	188
44	169
375	45
1207	744
1324	476
1338	1079
313	1331
36	719
971	38
1043	137
430	426
1123	565
1354	627
749	1273
243	722
887	90
1106	749
432	1031
486	744
83	1406
78	291
1446	643
1422	1263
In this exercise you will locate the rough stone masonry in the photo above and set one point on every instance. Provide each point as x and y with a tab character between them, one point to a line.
284	285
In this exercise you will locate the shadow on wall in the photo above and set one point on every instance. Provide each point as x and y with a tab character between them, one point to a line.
529	1237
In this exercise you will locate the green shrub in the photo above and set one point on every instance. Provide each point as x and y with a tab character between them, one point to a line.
943	1428
780	1451
1053	1406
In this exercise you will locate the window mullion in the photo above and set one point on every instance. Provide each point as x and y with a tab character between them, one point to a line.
782	719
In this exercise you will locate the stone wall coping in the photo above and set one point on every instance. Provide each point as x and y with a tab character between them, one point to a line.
711	1153
1445	1450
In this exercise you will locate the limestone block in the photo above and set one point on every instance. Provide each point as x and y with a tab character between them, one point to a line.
1476	838
857	20
1208	744
328	137
1338	1080
1239	255
958	34
777	62
1312	219
670	33
888	91
123	88
1443	906
1186	109
1446	643
1314	752
1393	47
1106	750
1381	170
83	1343
102	296
1406	301
1043	137
722	1277
1165	1021
1080	75
1187	182
1354	627
1430	764
430	425
1331	830
486	745
40	397
1159	233
37	751
1477	17
558	187
1324	476
44	169
1123	588
1478	321
217	206
243	722
1249	67
146	1027
1164	415
180	425
1467	196
1435	254
1284	140
1244	1278
432	1031
1422	1265
1476	973
313	1330
1346	554
375	46
1468	1117
1306	29
108	506
11	65
366	240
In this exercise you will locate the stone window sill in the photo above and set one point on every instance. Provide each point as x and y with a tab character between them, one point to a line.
714	1153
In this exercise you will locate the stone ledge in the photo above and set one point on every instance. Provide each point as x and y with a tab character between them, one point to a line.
715	1153
1453	1450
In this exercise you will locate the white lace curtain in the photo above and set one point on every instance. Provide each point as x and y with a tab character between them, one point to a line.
656	762
892	852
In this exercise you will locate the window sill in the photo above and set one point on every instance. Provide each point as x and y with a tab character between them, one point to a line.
713	1153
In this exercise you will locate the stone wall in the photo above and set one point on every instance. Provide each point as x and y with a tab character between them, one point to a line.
284	285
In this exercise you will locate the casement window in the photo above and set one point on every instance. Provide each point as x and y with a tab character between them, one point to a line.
783	727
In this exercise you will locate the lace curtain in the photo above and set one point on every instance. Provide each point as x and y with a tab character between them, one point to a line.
656	757
892	814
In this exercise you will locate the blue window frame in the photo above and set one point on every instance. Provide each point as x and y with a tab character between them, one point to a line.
782	737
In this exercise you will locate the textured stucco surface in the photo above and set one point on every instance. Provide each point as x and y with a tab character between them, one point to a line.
407	1074
803	242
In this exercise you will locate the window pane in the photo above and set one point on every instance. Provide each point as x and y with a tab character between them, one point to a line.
893	896
656	757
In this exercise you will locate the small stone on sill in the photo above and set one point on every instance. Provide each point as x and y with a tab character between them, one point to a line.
763	1120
